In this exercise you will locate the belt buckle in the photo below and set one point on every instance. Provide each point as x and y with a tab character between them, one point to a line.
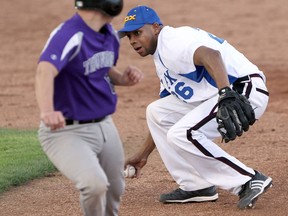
71	122
76	122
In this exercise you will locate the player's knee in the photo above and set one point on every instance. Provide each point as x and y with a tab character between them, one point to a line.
151	112
93	186
177	137
173	135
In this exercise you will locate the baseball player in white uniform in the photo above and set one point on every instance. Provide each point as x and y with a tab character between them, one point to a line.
195	67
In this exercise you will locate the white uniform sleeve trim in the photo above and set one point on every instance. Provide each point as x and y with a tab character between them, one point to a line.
75	41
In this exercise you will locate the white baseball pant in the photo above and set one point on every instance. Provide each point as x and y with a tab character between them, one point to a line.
183	135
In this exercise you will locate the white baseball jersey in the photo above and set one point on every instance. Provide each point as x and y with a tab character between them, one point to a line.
183	130
178	73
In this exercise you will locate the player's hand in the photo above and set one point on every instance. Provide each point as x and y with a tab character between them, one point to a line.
138	162
131	76
53	119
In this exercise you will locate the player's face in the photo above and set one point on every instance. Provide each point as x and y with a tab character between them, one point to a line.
144	40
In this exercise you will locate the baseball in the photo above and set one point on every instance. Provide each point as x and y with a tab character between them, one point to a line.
129	172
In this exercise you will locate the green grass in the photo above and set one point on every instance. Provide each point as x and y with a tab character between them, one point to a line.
21	158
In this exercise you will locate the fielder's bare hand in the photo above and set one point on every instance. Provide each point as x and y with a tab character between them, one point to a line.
138	162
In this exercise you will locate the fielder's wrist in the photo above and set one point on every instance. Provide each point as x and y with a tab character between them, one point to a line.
224	90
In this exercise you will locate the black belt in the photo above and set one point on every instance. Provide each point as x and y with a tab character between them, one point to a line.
73	122
245	78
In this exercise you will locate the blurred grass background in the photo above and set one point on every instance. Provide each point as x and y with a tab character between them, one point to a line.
21	158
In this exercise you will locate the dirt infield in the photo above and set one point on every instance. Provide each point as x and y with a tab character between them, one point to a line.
258	28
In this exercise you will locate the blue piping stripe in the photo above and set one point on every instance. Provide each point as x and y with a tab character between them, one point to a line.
161	61
164	93
201	73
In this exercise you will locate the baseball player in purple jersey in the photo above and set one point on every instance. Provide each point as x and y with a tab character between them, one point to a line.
199	74
74	89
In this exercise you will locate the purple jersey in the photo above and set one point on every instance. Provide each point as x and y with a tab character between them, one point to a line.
83	57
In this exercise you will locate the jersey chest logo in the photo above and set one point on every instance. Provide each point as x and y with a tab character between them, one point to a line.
98	61
178	88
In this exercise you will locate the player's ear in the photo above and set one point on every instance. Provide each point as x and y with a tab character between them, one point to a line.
157	28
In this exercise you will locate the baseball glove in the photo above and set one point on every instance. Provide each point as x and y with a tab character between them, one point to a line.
234	115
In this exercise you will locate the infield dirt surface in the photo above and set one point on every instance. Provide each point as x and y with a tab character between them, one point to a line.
258	28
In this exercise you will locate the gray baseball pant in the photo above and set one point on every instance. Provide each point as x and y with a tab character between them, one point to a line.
92	157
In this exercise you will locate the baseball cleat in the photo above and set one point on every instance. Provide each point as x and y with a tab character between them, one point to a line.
181	196
251	191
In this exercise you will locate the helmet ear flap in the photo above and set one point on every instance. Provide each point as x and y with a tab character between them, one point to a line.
110	7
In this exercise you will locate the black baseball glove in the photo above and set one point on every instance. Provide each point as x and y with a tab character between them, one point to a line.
234	115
